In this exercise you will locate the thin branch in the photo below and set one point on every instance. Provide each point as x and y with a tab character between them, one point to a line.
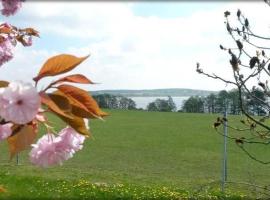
259	47
214	76
246	114
253	157
251	34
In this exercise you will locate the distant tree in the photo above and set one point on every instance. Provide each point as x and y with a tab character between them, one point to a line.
234	104
171	103
210	103
152	107
194	104
127	103
106	101
256	104
162	105
222	101
114	102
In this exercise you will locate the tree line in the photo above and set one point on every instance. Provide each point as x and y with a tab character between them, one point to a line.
253	102
120	102
114	102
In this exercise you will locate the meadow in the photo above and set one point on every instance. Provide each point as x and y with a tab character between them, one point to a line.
141	155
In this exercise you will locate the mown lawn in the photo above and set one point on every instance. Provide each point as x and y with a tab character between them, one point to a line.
137	154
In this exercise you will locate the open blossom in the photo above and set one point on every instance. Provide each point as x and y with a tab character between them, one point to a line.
51	150
6	50
19	102
5	131
71	140
46	152
10	7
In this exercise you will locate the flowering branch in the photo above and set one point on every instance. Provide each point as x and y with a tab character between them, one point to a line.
22	106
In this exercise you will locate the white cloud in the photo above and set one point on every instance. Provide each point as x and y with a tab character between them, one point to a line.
129	51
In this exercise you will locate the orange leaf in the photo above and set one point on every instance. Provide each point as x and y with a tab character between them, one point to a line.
77	108
20	38
45	99
21	140
75	78
84	98
59	64
61	101
76	123
4	84
31	31
5	30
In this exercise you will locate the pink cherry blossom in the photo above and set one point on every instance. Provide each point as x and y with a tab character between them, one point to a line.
19	102
71	140
5	131
46	152
51	150
6	50
10	7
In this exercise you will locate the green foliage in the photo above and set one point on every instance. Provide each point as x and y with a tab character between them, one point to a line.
194	105
216	103
162	105
115	102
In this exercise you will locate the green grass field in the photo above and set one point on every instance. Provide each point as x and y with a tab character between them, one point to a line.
139	155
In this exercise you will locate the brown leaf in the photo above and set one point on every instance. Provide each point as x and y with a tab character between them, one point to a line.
216	124
4	84
45	99
77	108
61	101
5	30
75	78
59	64
21	140
76	123
84	98
64	105
31	31
20	38
79	112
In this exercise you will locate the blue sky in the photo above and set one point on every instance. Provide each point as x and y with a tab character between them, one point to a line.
171	9
133	45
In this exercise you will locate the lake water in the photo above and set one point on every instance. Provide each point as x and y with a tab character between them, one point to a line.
142	102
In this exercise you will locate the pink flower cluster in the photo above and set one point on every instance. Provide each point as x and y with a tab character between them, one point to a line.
6	45
10	7
6	50
51	150
19	102
5	131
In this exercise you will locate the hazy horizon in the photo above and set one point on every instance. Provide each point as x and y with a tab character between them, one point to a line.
159	89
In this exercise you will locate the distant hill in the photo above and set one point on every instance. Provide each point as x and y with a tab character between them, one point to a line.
155	92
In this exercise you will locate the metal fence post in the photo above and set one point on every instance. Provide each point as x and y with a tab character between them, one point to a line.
224	164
